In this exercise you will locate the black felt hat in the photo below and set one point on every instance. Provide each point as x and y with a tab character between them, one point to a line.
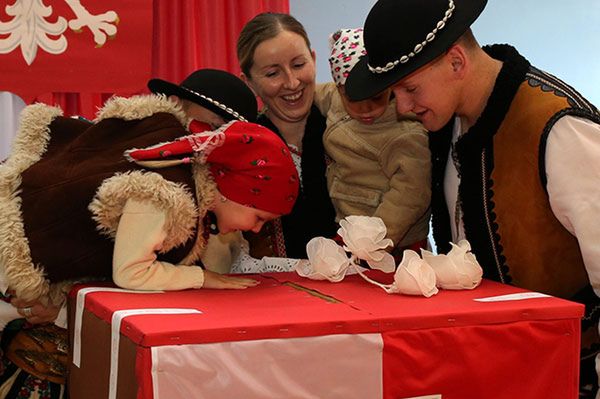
219	91
403	35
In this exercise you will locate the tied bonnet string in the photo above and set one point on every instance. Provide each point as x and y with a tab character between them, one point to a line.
202	141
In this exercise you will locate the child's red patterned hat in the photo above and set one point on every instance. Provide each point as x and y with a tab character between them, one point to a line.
250	164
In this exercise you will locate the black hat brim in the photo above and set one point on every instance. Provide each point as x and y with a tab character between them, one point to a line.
362	84
160	86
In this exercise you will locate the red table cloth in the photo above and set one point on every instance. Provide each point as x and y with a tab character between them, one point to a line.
293	337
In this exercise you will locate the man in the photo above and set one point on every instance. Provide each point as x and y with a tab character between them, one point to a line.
515	151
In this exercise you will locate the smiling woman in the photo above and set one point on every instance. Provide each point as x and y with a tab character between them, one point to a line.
278	63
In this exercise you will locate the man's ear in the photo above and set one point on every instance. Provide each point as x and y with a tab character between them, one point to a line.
458	59
313	53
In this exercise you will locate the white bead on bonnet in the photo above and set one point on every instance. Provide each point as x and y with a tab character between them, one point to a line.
346	48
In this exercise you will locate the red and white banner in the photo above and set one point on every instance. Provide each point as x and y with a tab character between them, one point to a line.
75	46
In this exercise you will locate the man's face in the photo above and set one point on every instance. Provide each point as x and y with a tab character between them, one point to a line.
431	93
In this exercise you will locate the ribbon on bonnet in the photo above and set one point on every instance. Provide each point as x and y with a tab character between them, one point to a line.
250	164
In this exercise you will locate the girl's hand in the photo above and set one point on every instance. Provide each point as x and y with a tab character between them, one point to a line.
220	281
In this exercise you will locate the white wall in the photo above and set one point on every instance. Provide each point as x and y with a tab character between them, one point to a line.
323	17
558	36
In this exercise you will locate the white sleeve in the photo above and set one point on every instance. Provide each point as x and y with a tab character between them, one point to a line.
140	235
573	173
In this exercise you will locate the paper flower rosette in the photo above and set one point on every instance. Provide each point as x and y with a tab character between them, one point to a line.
458	270
326	261
364	238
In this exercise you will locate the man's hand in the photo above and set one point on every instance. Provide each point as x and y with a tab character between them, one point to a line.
35	312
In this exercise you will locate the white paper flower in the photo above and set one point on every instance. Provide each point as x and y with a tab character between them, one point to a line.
458	270
364	236
414	276
326	261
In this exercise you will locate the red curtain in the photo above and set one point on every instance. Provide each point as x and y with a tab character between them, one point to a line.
187	35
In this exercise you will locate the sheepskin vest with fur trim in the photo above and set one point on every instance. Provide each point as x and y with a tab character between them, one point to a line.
506	211
73	191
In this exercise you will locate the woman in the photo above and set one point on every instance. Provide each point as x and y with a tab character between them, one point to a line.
73	205
279	66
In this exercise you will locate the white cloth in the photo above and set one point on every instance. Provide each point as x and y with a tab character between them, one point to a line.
246	264
451	183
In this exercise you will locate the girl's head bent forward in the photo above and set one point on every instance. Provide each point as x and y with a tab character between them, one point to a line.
255	179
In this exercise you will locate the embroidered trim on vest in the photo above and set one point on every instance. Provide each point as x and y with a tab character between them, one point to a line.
580	107
549	82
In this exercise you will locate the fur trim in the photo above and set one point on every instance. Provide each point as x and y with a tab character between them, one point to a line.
206	191
182	215
30	144
140	107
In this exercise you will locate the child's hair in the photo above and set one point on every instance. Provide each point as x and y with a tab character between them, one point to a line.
346	49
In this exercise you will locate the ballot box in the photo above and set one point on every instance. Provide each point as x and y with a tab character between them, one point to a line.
291	337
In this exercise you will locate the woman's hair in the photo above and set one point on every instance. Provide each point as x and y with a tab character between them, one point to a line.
263	27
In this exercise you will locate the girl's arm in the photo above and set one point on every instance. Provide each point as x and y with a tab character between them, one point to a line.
140	235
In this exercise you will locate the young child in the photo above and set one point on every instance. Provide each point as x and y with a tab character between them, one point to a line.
214	97
81	206
73	205
380	160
